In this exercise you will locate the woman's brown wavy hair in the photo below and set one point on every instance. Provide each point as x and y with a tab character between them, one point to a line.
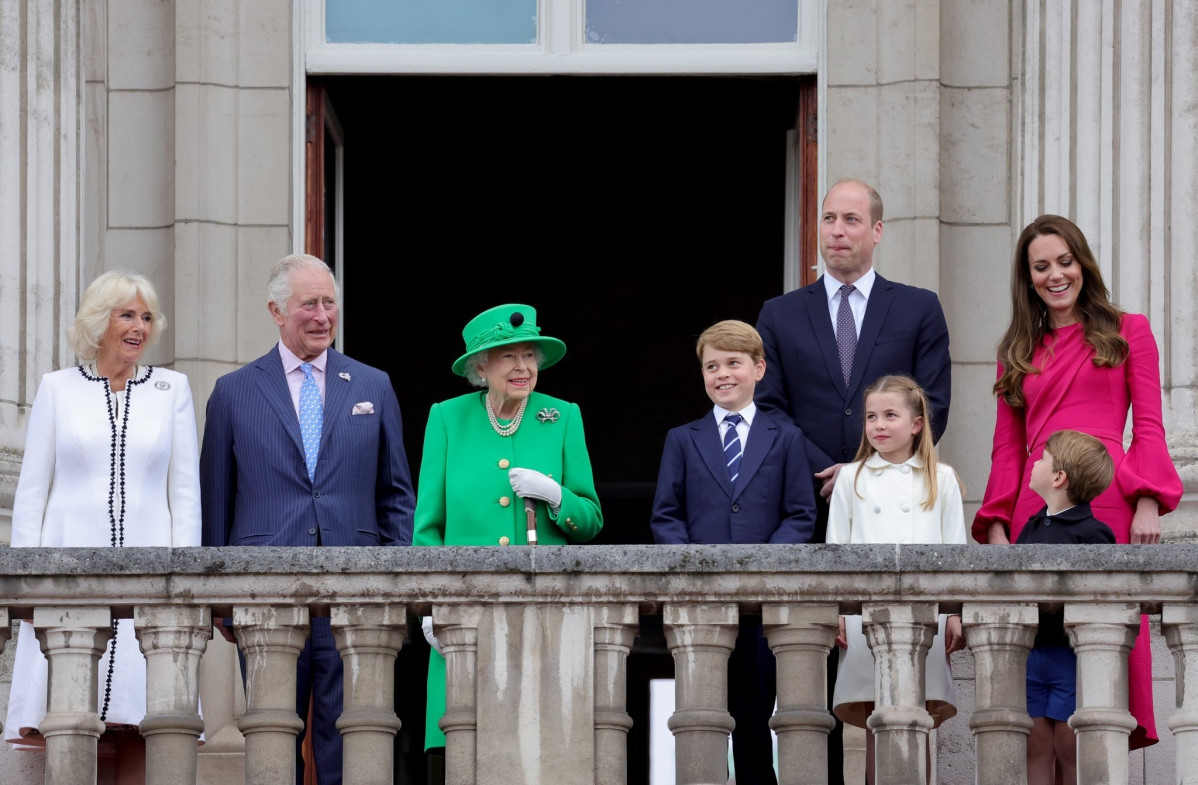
1100	317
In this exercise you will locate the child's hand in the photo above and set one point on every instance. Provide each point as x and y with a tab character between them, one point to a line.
954	639
841	641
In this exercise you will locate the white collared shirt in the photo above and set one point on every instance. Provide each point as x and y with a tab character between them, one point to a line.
295	375
742	428
857	300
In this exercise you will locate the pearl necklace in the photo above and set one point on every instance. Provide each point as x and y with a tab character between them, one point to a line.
510	428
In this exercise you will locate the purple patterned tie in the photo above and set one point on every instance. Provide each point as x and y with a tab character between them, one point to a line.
846	333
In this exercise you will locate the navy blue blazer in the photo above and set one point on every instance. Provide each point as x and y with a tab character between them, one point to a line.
903	332
773	499
253	482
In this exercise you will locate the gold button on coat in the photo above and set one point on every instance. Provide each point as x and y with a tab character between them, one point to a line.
504	541
504	463
504	501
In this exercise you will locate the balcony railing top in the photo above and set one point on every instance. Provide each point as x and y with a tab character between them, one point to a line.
644	574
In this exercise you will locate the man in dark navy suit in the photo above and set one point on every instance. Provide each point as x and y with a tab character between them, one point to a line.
304	446
825	343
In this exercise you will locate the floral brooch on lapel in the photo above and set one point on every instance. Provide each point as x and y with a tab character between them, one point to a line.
344	375
548	415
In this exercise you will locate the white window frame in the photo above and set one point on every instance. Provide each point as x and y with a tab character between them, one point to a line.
561	48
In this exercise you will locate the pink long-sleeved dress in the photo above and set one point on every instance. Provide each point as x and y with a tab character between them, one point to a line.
1071	393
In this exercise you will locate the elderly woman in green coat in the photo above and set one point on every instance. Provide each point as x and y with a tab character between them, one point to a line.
493	457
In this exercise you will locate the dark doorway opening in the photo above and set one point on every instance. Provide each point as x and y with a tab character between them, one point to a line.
631	212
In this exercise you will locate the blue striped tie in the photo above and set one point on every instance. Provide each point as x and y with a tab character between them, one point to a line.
732	450
311	418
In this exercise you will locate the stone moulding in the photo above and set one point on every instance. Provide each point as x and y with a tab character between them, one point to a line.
643	574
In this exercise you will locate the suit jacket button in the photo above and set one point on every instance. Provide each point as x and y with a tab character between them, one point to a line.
504	501
316	494
311	531
504	541
736	508
848	412
504	463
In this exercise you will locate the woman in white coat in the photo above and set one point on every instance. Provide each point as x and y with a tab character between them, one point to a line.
111	459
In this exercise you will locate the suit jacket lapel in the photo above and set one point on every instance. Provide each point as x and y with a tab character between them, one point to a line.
337	392
881	297
706	436
821	328
273	384
763	432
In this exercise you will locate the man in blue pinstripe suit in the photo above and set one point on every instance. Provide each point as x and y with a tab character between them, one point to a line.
304	446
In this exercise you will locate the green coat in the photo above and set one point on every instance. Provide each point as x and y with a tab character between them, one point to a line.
464	496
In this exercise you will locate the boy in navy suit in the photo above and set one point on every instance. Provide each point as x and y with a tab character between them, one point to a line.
738	475
1073	470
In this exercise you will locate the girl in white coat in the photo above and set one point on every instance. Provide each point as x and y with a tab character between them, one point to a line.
894	492
111	459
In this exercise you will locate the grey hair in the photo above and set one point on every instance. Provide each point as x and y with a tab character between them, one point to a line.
279	288
476	361
111	290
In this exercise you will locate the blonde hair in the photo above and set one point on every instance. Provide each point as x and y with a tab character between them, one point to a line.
916	402
1100	317
1084	460
111	290
732	335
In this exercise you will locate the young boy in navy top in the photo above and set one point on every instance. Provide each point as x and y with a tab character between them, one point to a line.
1074	469
737	475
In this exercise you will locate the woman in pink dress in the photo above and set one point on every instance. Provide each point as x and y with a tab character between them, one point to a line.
1070	359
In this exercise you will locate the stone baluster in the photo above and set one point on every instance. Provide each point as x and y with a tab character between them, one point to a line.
1180	623
172	638
456	627
899	635
369	637
1000	637
701	638
5	632
271	637
1102	635
800	636
615	630
73	640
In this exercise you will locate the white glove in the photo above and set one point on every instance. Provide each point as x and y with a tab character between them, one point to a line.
426	624
531	484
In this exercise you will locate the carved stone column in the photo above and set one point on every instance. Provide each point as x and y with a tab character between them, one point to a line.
369	637
701	638
272	637
73	640
172	638
1000	637
899	635
801	636
41	147
615	629
457	630
1102	635
1180	623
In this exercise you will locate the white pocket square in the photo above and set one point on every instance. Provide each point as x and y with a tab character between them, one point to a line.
365	407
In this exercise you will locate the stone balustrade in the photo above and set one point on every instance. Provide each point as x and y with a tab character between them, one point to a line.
536	642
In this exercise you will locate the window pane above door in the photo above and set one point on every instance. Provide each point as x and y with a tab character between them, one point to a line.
691	21
431	21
